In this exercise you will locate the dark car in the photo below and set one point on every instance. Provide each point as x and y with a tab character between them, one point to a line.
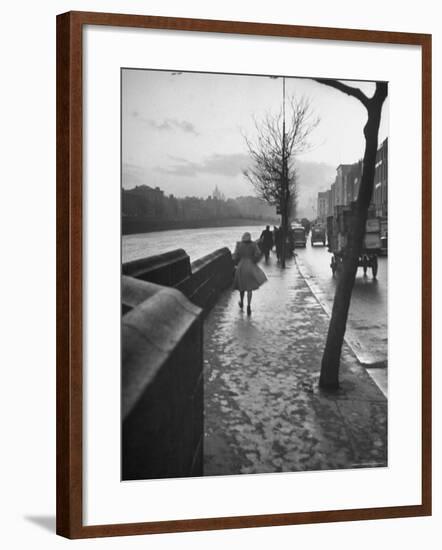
298	235
318	235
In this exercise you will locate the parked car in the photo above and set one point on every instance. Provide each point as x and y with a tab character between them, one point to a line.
384	245
298	234
318	235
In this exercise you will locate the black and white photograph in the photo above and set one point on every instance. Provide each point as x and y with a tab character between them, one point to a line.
254	221
229	335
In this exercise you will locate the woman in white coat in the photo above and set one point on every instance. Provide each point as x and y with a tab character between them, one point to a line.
248	276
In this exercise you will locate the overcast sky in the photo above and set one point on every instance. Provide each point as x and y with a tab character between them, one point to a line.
183	132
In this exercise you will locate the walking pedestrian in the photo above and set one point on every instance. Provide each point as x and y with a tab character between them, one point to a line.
248	276
266	242
277	237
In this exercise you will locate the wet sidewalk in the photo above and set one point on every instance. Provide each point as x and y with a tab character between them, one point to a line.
264	411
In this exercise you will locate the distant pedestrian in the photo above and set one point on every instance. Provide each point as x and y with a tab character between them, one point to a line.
290	242
277	237
266	242
248	276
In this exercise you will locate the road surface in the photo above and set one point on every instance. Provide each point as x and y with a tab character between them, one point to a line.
367	330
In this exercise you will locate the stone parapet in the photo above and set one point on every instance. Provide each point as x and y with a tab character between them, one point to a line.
164	299
162	383
210	275
166	269
201	281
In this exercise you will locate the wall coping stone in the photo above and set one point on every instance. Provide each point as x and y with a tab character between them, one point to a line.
135	268
152	329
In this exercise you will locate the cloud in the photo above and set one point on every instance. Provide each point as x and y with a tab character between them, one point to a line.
229	165
168	124
132	175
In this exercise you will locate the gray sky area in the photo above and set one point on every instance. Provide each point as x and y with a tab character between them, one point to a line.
184	132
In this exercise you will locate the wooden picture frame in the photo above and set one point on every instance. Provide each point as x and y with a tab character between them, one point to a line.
70	156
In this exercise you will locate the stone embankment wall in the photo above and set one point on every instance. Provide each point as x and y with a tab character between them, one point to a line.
164	299
201	281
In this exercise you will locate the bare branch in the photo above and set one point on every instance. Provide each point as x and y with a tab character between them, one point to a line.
270	147
349	90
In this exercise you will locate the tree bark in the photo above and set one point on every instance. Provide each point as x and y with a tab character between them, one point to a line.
284	228
285	218
329	377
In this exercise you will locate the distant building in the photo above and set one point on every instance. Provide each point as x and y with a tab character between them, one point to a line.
142	201
380	191
153	207
218	195
344	190
354	180
323	205
332	199
342	184
253	207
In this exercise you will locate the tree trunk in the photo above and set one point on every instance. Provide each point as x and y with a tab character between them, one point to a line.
329	377
285	210
283	236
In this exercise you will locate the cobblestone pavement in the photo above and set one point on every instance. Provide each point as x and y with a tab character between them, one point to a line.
264	411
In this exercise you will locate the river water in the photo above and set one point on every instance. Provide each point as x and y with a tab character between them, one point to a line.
196	242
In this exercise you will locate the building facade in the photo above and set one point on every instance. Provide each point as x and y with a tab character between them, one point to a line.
380	191
344	190
342	184
142	200
323	205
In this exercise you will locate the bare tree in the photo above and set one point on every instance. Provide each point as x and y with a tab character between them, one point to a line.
273	153
329	377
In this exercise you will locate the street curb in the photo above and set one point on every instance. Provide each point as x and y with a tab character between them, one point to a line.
368	366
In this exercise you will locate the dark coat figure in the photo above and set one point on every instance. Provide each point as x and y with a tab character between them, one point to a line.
248	276
277	237
290	242
266	242
306	225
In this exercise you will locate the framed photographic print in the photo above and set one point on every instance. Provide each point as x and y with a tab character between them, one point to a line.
243	274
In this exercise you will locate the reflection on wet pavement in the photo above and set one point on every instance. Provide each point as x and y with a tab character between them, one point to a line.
263	409
367	330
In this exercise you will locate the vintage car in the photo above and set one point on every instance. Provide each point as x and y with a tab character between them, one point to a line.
318	235
298	235
338	228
